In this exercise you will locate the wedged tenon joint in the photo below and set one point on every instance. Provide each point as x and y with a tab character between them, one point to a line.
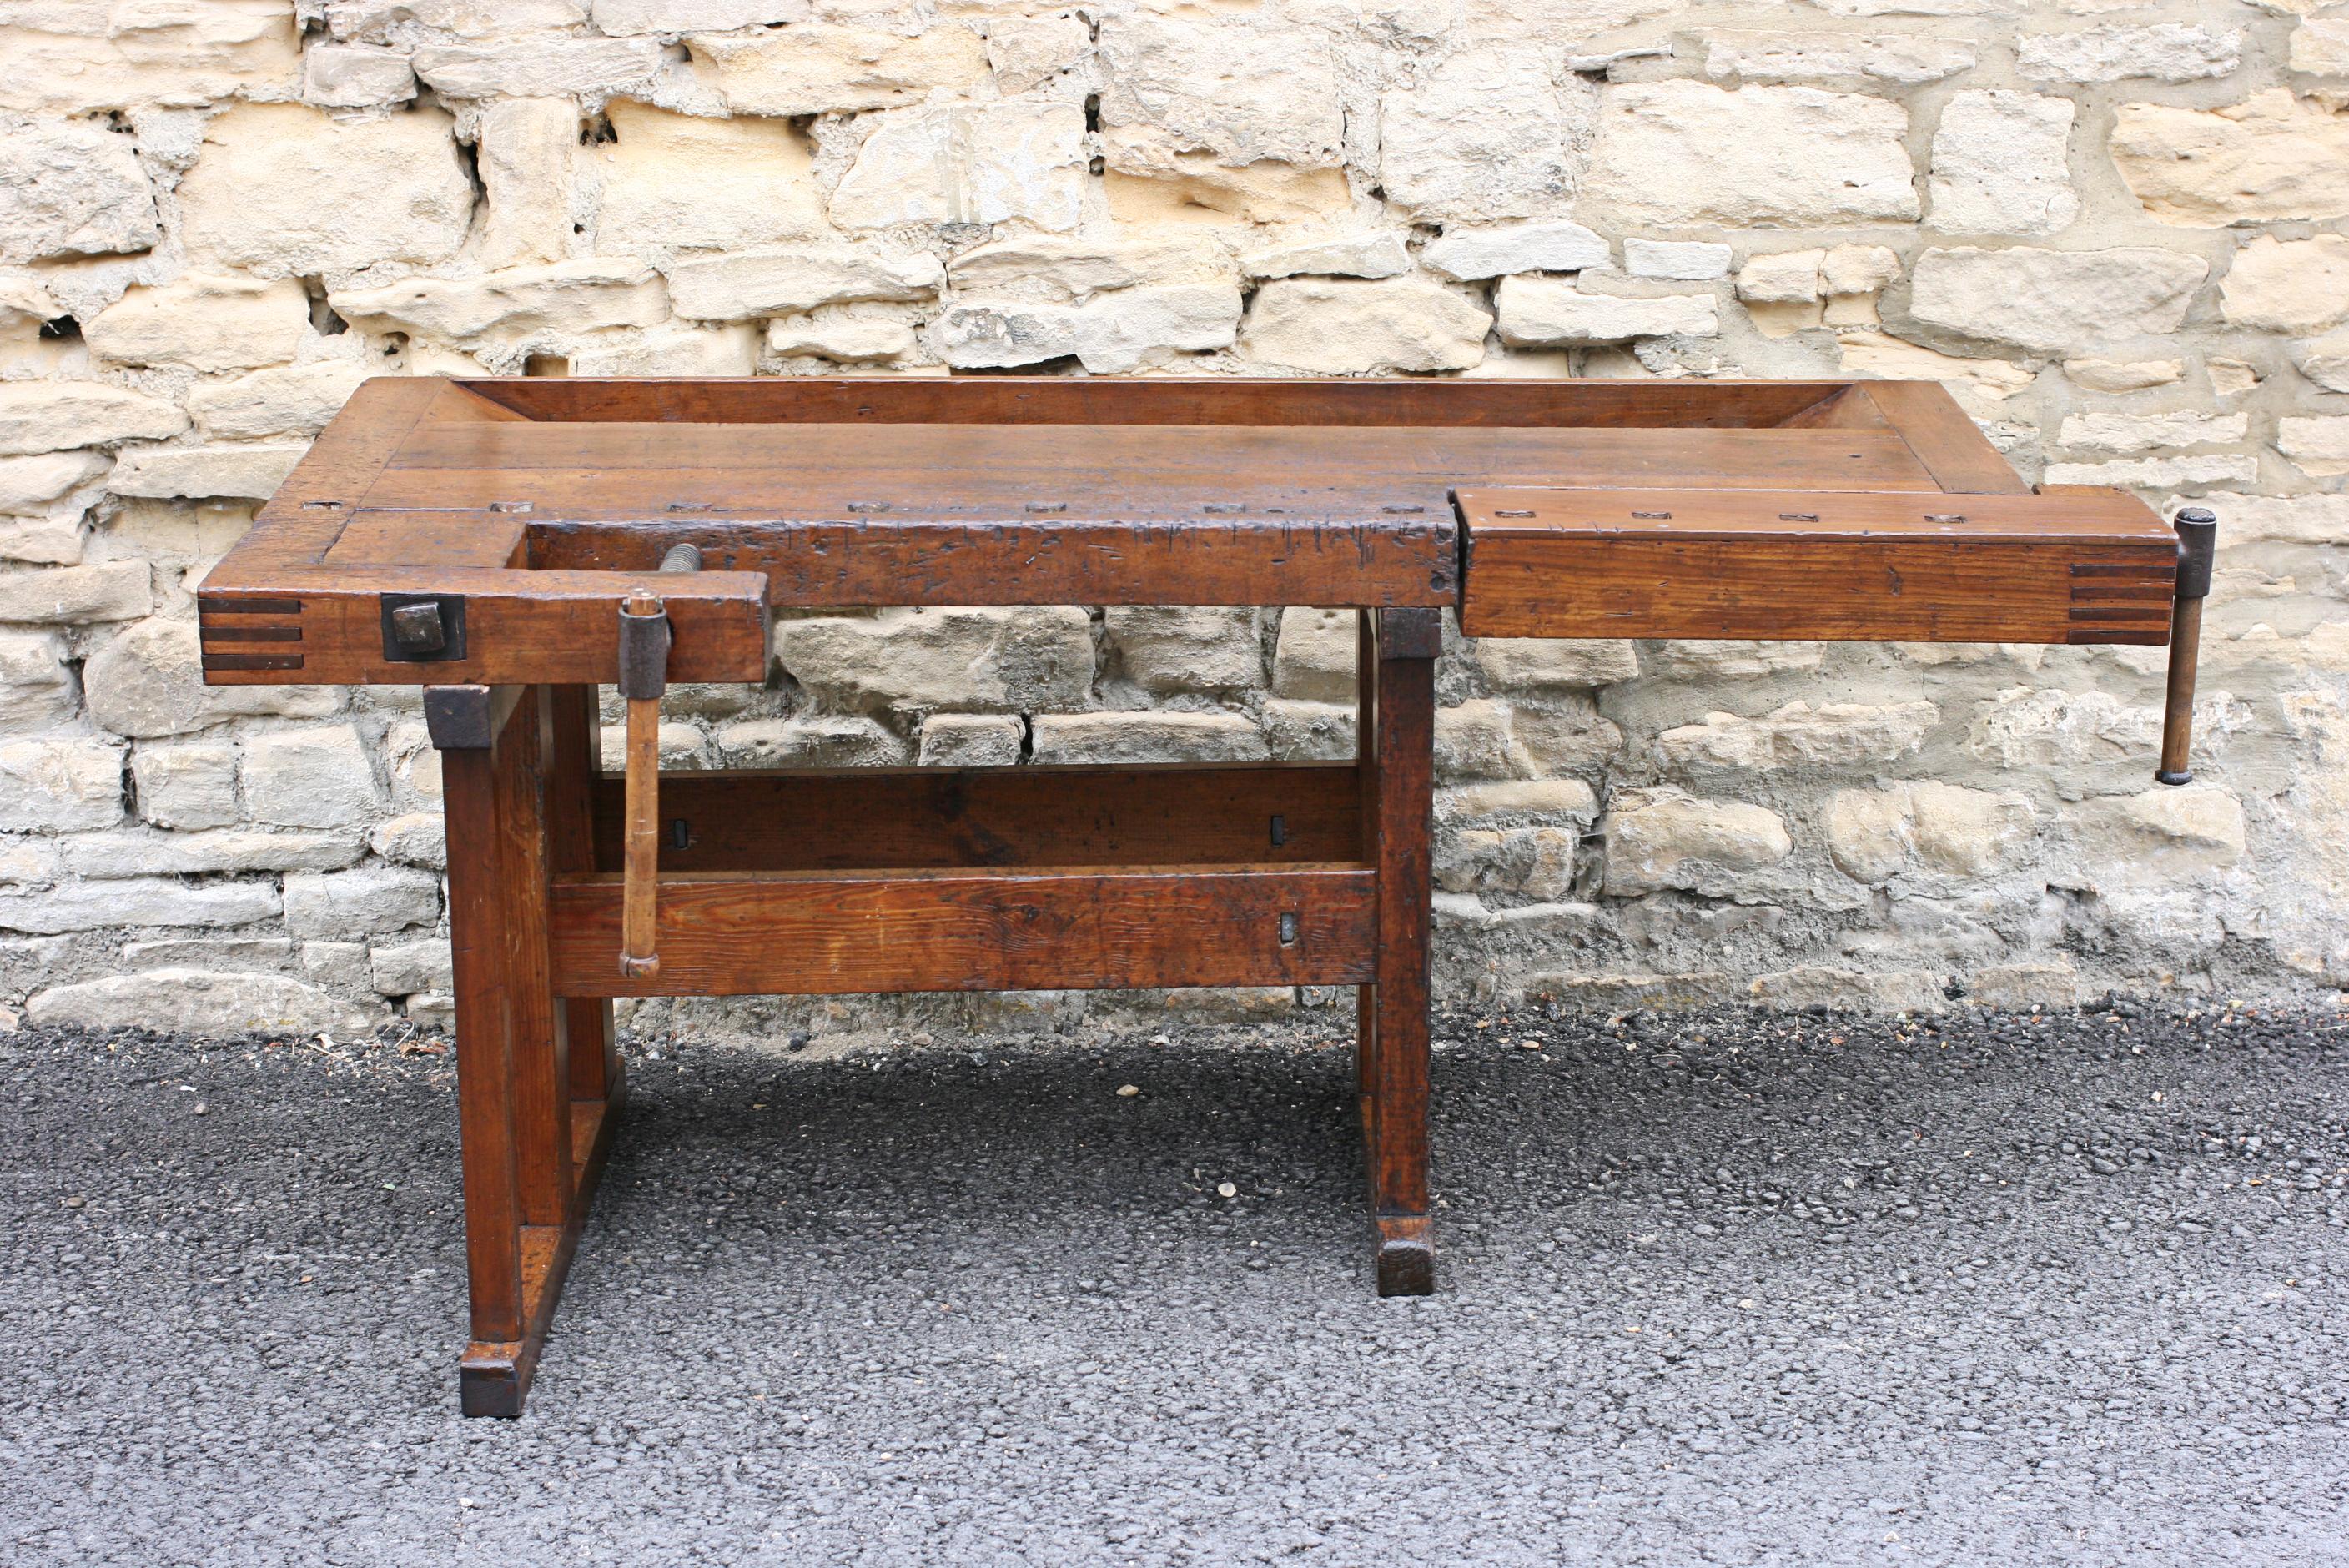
461	717
1411	633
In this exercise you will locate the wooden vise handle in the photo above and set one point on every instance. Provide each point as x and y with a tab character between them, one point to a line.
2198	534
644	676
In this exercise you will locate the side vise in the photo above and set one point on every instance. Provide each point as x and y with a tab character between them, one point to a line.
2198	536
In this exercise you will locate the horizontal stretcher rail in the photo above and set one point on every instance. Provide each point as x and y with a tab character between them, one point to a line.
1080	928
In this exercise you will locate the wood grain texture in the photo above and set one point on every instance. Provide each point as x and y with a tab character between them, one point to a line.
1794	564
574	769
1944	437
946	819
824	934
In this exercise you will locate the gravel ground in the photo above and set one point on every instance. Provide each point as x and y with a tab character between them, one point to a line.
1735	1288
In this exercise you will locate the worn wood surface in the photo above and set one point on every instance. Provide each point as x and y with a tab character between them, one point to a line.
574	771
931	818
828	933
2081	568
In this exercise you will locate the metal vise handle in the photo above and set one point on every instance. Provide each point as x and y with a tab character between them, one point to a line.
2198	539
644	676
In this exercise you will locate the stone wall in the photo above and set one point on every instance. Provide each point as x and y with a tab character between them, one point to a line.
2114	231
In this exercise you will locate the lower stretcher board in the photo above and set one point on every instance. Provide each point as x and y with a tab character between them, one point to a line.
2094	566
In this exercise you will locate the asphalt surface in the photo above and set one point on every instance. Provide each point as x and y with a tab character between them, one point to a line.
1736	1288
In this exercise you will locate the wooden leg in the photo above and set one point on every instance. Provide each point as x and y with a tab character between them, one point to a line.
574	762
1397	758
533	1151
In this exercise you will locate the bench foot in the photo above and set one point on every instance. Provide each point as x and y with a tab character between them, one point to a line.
1406	1256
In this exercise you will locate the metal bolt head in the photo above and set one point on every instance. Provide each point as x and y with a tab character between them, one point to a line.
417	629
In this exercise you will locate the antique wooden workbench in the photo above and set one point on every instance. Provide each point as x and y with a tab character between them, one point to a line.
510	544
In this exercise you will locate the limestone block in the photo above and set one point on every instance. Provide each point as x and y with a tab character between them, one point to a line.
2272	158
1077	267
367	902
827	741
671	348
1487	134
787	280
674	182
2109	430
2163	836
1554	801
103	856
2325	361
36	689
2320	47
1127	329
1659	838
1538	663
249	469
203	1004
2001	165
404	968
2316	444
979	658
1337	327
1854	990
1018	162
281	189
51	415
349	75
337	965
518	304
1178	647
1538	311
1478	739
149	683
1705	658
29	485
1681	261
286	400
1537	862
1195	188
73	188
680	746
77	595
979	334
60	786
1552	247
848	339
1833	734
1678	152
418	839
1875	834
2123	375
144	901
1224	86
2291	520
1858	269
374	21
1314	655
817	68
192	785
2300	286
539	68
2020	986
619	19
83	56
1309	731
1154	736
972	740
1378	254
2163	51
319	776
2156	473
2038	730
527	151
55	539
1782	277
1902	58
2055	301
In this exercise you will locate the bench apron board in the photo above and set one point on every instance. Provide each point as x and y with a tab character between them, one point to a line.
510	546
